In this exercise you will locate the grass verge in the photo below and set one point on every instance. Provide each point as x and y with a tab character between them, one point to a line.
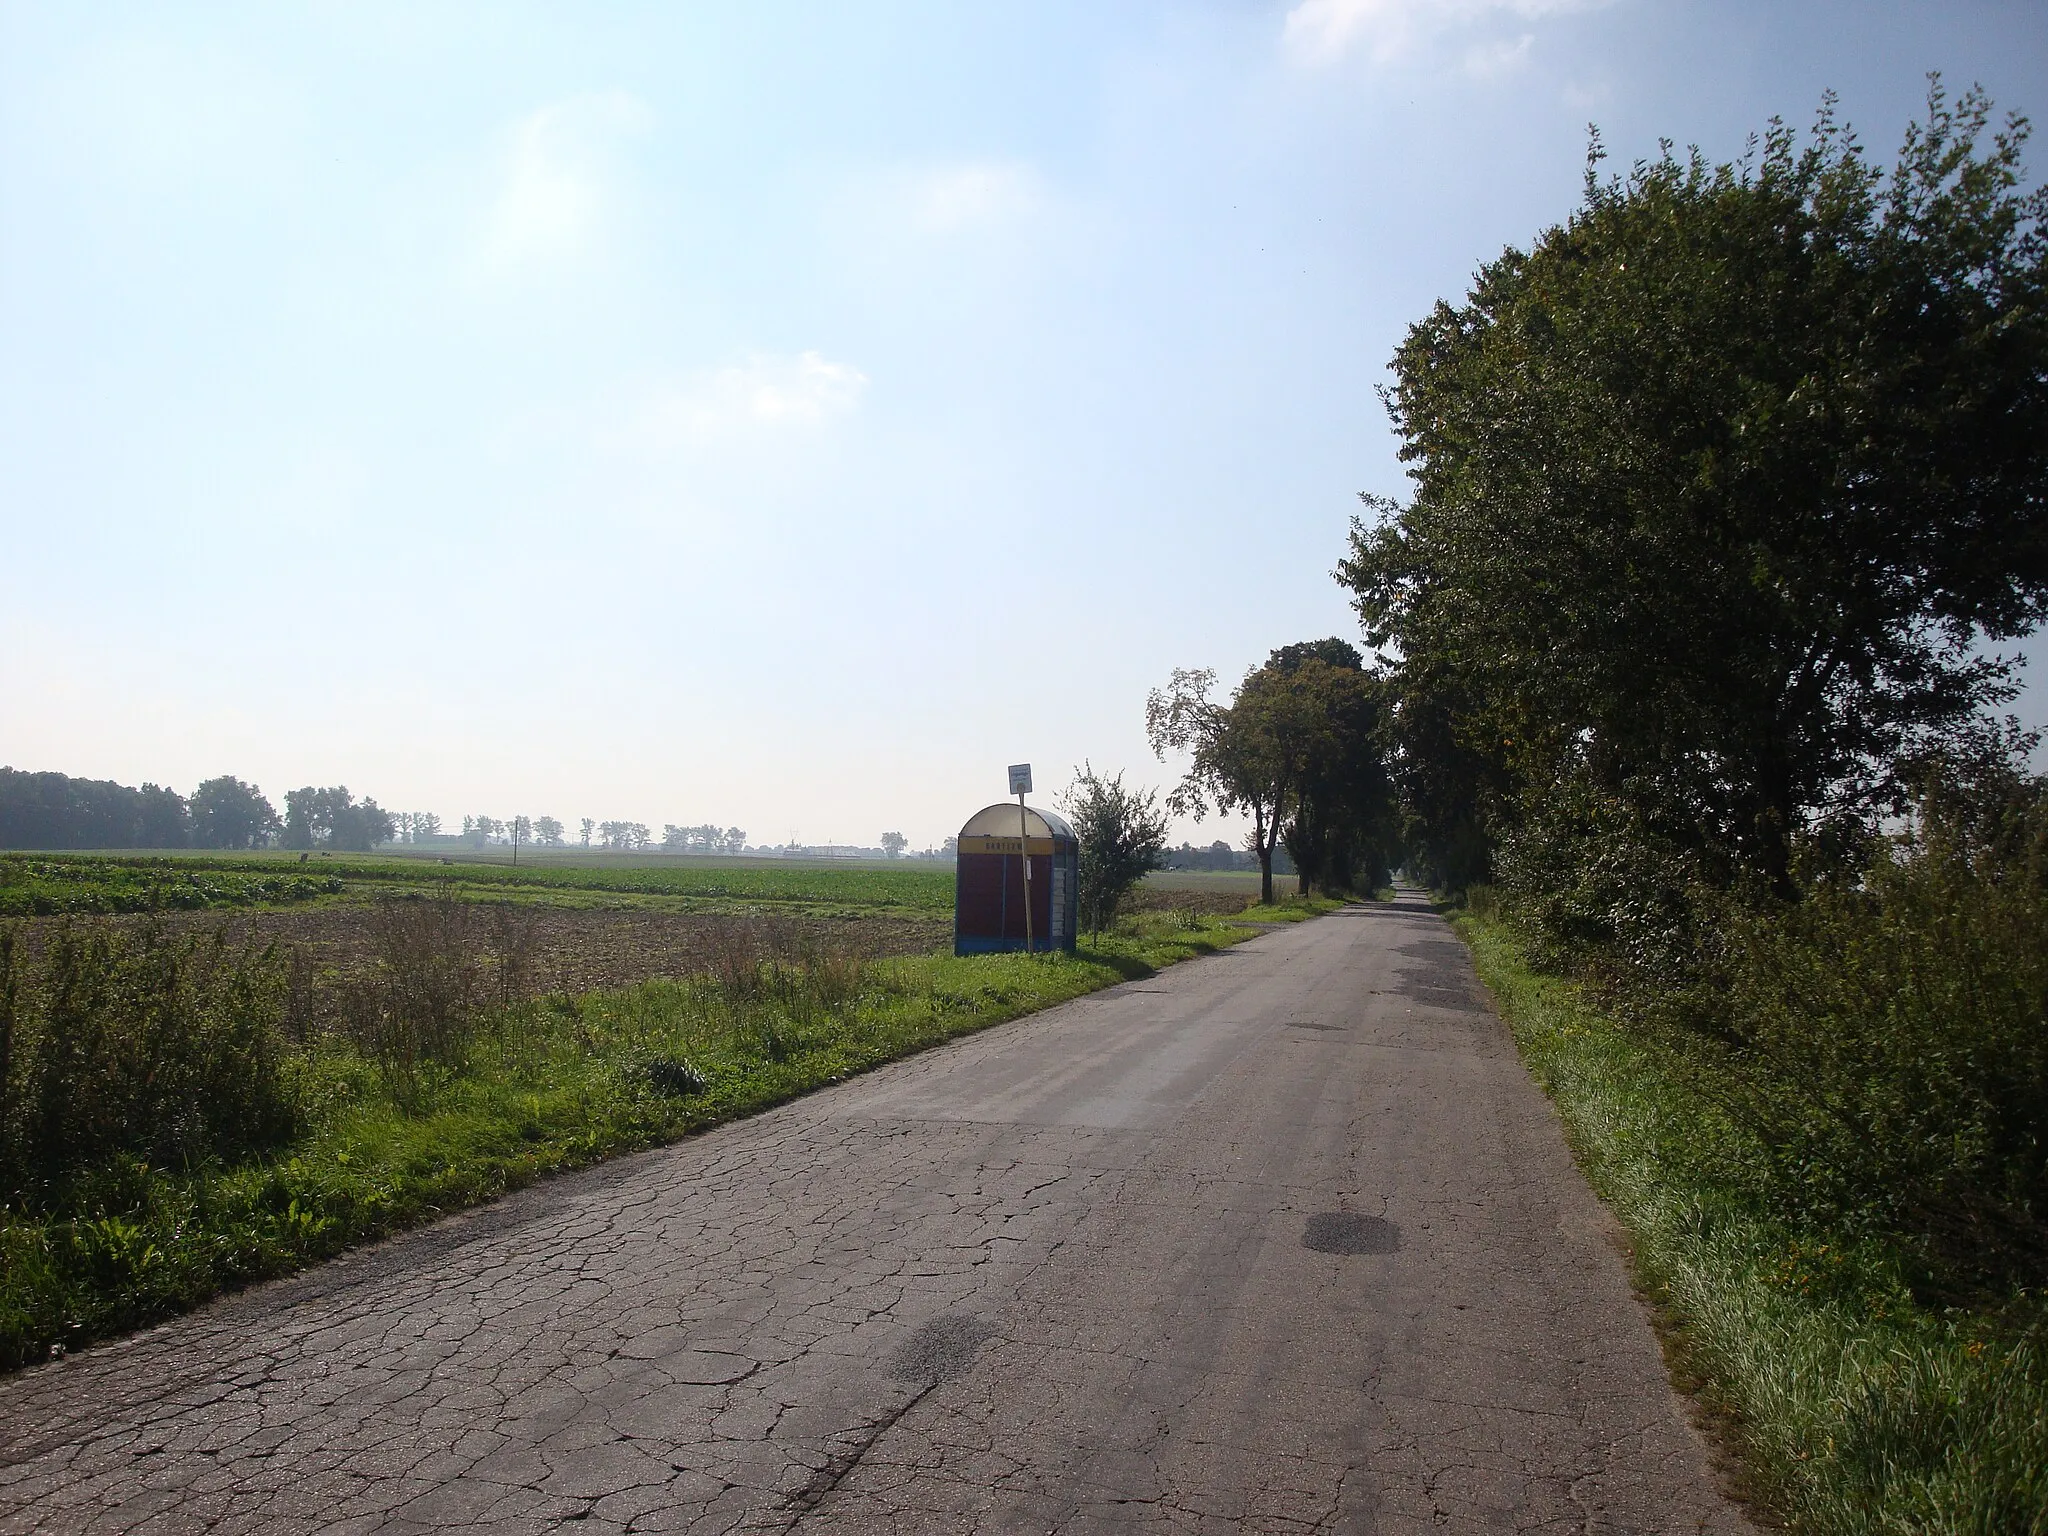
1292	909
544	1086
1852	1408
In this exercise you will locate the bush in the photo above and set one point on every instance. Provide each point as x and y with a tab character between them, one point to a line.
135	1043
416	1009
1890	1044
1883	1034
1122	833
1593	886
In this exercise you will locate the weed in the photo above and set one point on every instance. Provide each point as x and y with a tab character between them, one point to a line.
432	1094
673	1076
416	1010
132	1042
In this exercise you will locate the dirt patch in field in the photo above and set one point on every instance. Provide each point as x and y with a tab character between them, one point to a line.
567	949
1172	898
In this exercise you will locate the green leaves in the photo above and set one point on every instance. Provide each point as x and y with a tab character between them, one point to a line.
1300	748
1719	485
1122	833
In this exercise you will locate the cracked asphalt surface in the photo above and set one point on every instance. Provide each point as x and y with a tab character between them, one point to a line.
1284	1239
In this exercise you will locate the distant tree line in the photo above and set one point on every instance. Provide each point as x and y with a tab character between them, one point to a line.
1220	858
332	818
704	839
54	810
617	836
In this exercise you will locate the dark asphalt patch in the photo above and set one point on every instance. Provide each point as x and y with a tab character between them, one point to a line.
1443	951
1311	1024
1453	999
941	1348
1348	1232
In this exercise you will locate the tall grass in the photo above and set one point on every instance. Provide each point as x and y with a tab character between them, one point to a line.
137	1044
440	1080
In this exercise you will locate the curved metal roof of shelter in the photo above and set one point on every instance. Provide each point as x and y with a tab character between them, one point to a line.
1000	820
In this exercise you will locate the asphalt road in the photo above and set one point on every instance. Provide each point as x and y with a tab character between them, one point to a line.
1280	1240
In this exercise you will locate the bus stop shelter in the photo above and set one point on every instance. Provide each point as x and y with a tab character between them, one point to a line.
988	893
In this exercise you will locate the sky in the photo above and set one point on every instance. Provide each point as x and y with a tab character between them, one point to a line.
782	416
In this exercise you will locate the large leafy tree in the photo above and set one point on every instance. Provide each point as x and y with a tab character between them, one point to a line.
1326	714
1233	763
226	813
333	818
1297	749
1723	487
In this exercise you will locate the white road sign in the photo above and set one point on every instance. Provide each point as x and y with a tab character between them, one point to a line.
1020	778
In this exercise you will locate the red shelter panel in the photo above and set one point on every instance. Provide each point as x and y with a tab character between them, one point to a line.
988	912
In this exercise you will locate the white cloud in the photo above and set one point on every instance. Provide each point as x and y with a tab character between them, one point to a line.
962	197
1498	56
163	120
1323	31
557	190
763	393
899	207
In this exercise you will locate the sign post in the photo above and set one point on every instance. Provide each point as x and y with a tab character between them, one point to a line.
1020	786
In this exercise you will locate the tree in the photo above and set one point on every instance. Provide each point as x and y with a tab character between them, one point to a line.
674	838
226	813
1721	488
625	835
162	821
547	832
735	840
299	807
588	827
481	830
1122	833
53	810
333	818
893	844
1297	749
369	826
1232	767
425	824
1328	717
518	830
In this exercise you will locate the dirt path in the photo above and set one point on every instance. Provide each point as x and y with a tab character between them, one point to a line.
1282	1240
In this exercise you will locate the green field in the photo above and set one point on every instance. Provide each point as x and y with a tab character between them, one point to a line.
48	884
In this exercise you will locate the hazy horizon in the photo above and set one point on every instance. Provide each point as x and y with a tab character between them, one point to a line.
784	417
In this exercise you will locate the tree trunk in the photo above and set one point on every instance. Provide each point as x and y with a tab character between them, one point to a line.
1265	874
